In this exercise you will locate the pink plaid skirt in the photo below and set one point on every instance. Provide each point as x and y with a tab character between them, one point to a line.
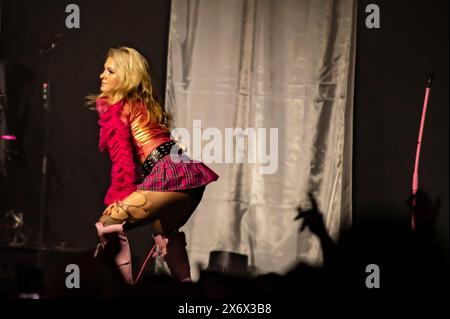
167	175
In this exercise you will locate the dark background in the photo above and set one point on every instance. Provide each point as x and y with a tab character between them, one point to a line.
391	66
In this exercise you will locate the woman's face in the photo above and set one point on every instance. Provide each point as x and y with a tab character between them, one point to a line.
109	78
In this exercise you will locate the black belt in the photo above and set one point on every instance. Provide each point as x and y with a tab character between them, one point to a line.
158	153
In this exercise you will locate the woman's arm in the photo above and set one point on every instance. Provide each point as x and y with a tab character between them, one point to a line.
115	136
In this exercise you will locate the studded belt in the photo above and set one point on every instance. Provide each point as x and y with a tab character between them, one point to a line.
158	153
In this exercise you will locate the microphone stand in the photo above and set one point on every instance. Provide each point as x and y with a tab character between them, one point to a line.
46	93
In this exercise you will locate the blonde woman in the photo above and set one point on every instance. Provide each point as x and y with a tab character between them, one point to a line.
135	128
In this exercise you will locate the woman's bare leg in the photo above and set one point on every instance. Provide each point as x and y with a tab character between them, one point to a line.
167	211
172	209
177	258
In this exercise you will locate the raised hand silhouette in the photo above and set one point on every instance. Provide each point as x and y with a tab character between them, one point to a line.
312	218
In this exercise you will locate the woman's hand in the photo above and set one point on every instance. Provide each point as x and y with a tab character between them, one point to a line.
109	209
105	218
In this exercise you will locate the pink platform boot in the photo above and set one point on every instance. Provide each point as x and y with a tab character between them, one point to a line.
122	255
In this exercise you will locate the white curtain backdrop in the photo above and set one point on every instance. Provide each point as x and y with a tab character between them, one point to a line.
261	64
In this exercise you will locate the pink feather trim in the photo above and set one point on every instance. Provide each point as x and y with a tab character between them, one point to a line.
115	137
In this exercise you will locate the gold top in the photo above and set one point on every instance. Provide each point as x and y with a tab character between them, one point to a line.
145	134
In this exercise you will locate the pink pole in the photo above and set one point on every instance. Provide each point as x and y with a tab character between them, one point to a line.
415	181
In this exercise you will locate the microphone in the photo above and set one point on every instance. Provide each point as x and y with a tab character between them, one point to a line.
52	45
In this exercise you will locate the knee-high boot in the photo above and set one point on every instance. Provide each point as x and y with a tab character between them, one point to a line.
115	242
177	258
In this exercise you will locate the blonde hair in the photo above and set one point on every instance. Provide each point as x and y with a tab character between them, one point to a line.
135	85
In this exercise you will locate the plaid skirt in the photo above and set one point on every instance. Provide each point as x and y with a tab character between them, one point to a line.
167	175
